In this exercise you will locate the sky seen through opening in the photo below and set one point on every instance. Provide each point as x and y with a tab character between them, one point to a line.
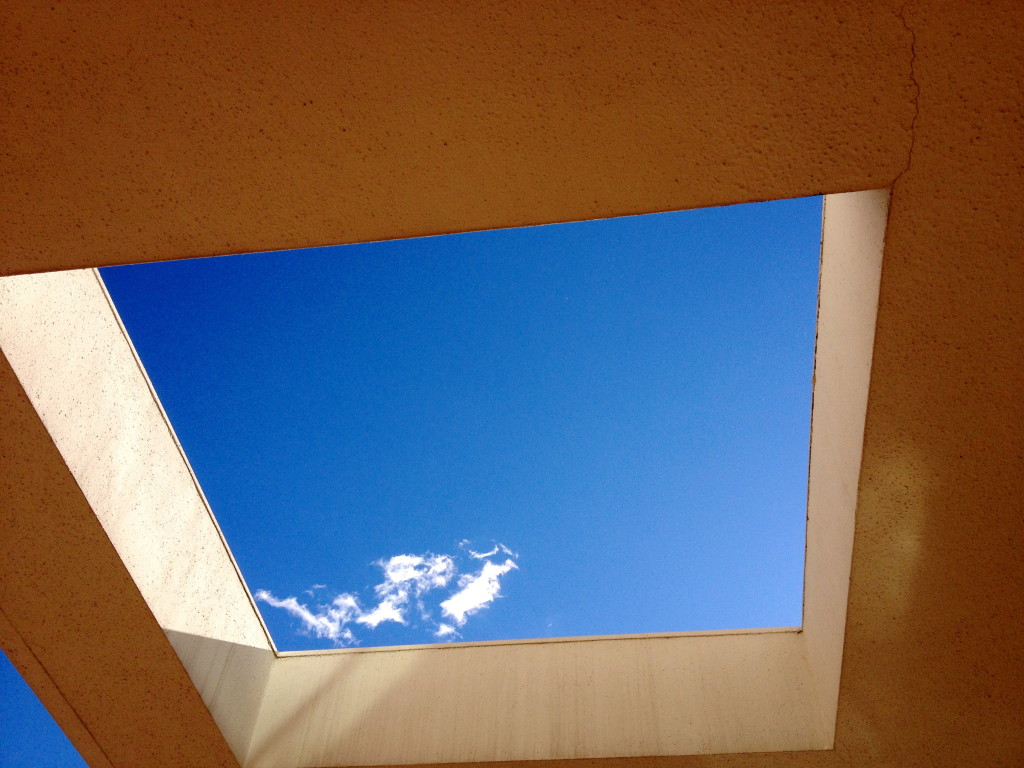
576	429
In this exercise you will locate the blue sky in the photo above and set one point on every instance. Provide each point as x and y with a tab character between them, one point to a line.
577	429
617	410
29	738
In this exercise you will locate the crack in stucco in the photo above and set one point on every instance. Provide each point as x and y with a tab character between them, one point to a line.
917	91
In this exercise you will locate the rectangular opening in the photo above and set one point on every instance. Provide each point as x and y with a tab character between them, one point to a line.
124	504
596	428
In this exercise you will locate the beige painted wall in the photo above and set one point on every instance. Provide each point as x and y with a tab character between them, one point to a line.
61	335
542	700
852	240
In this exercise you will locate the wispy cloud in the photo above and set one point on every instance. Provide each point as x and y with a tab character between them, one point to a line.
476	591
328	622
490	553
407	582
445	631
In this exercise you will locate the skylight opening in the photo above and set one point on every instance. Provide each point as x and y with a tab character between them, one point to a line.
595	428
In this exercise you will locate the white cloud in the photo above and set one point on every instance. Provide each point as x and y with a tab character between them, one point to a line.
445	630
416	574
490	553
476	591
327	623
407	579
387	610
482	555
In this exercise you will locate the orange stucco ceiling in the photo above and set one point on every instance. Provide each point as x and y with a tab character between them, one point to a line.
141	132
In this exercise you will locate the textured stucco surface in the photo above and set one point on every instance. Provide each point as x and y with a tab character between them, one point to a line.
63	339
133	131
142	132
75	624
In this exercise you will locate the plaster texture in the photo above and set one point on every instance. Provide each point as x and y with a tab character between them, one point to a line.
61	334
73	621
852	241
146	132
542	700
136	132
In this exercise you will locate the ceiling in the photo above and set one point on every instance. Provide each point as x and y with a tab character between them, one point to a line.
144	132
